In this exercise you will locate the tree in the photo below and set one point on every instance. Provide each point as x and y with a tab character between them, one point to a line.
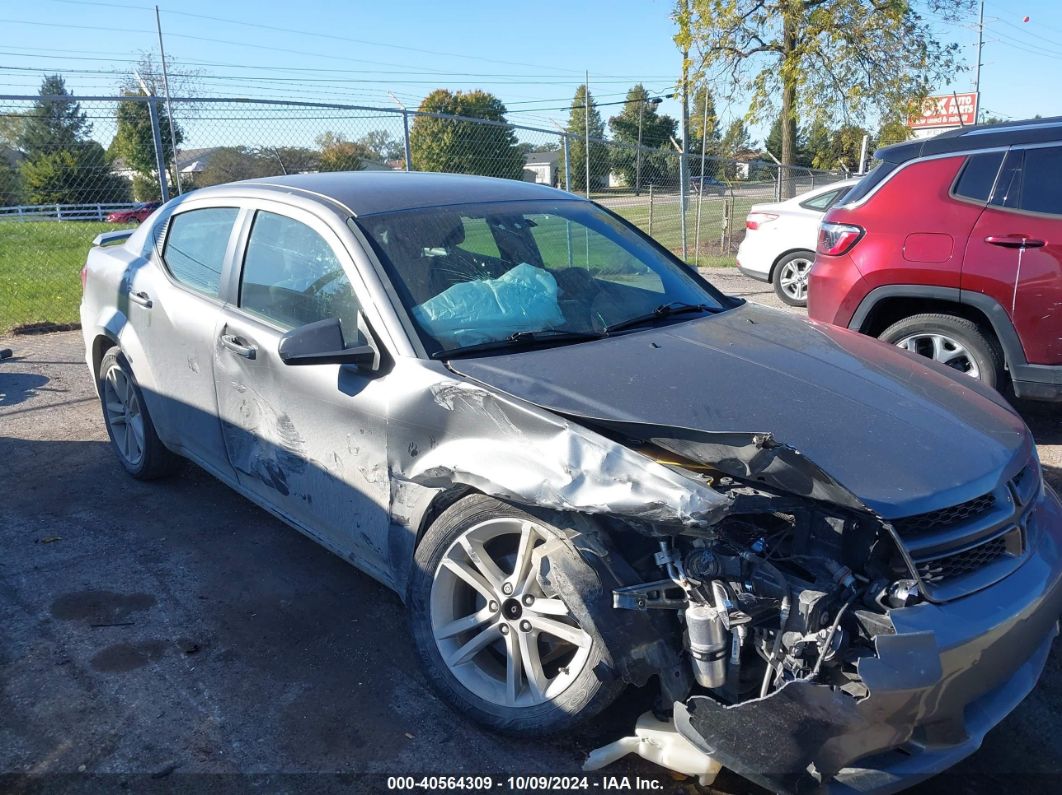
460	146
339	154
80	174
10	185
584	116
702	97
823	56
736	144
655	131
291	159
134	142
231	163
382	146
62	164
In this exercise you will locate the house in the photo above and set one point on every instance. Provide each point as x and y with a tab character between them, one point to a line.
543	167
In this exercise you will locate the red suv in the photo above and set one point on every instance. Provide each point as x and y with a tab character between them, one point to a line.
952	248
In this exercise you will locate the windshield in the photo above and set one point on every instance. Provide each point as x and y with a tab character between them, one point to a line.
512	272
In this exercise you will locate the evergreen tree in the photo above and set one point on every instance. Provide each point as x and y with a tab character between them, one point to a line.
585	114
62	164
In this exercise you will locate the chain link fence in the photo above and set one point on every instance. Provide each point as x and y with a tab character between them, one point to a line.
72	167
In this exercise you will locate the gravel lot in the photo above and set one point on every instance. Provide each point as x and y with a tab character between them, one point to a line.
172	635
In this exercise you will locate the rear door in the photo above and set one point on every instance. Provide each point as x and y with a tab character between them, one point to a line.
1015	250
175	308
309	441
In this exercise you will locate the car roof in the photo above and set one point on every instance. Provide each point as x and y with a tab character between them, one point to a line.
977	136
369	192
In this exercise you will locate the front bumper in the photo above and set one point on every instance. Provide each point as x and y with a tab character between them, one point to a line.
950	673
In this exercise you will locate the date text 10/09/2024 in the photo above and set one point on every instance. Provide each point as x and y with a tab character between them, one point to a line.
539	783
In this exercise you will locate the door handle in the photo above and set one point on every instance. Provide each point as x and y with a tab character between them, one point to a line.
1014	241
238	346
140	297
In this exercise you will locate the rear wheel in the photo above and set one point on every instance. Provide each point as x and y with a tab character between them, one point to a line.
495	645
128	423
791	277
953	341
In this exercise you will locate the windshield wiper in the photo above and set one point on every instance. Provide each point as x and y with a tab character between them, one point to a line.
662	311
520	339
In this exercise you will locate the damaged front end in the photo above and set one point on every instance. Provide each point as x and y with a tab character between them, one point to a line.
798	637
806	644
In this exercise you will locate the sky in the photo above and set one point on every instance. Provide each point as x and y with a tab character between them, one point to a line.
532	55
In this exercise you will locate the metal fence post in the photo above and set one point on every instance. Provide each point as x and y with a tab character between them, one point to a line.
567	163
160	157
405	140
683	189
650	209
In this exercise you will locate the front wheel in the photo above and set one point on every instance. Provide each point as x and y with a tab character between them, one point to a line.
495	644
953	341
791	277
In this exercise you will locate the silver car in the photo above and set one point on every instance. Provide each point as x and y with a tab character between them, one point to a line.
582	467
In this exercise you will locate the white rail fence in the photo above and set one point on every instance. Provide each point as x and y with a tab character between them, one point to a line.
63	212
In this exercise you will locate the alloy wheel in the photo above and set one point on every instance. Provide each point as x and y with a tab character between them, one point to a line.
943	349
499	634
793	278
124	417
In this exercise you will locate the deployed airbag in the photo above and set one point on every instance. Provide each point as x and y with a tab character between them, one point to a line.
522	299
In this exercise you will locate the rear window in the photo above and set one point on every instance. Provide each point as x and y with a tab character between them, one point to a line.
1041	190
823	201
873	178
978	176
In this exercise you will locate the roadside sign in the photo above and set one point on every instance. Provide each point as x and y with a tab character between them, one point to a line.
950	110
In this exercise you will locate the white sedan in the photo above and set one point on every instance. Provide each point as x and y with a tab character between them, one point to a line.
779	244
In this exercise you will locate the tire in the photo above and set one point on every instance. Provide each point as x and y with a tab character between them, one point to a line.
564	691
129	425
953	341
790	277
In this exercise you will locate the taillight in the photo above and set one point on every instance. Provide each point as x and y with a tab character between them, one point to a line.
756	220
84	276
837	239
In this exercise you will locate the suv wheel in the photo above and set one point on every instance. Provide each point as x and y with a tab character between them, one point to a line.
953	341
791	277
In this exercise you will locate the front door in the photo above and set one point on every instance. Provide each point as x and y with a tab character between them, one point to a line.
309	441
1015	250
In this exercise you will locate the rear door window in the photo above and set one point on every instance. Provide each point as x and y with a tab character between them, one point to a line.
978	176
1041	190
196	242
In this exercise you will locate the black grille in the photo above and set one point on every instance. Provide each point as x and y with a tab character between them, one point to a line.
945	517
932	571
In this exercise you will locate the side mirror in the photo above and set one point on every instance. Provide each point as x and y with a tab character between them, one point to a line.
322	343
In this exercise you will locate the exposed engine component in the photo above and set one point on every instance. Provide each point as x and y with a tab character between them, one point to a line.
708	643
770	597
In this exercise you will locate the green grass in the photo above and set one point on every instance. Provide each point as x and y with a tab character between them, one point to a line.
40	265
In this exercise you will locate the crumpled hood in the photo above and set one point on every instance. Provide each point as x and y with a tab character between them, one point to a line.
903	434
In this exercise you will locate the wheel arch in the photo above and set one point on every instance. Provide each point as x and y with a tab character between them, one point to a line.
883	306
102	343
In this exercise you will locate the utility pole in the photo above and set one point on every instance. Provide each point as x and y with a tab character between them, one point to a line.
156	137
586	127
683	164
638	154
977	71
169	107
